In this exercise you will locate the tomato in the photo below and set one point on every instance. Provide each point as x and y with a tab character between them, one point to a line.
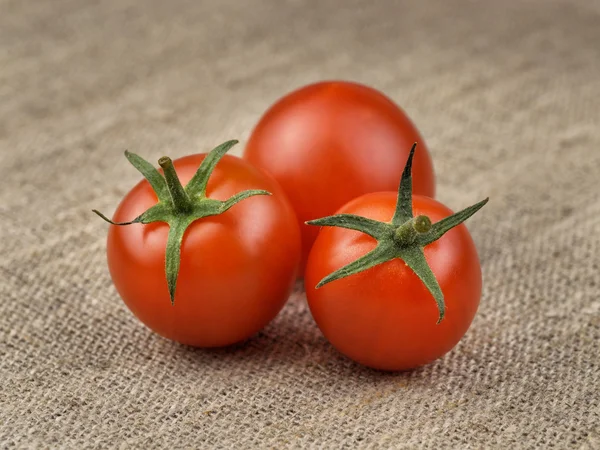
379	310
384	317
237	268
330	142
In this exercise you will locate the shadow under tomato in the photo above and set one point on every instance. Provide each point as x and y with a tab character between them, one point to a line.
292	342
289	339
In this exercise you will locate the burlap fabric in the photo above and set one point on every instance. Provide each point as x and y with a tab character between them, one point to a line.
507	95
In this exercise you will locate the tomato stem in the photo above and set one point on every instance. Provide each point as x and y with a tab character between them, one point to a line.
407	233
181	201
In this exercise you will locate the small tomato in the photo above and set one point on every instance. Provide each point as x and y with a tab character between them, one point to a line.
209	264
333	141
388	288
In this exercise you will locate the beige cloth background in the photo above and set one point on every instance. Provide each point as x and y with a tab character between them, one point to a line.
507	94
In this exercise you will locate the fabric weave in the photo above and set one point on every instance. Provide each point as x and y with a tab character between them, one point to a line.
507	96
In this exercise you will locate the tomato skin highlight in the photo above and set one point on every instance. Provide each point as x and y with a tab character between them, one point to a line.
384	317
333	141
237	268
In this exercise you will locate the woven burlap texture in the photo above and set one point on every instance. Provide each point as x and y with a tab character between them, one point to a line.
507	95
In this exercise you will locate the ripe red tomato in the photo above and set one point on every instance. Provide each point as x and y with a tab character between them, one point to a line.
237	268
385	317
330	142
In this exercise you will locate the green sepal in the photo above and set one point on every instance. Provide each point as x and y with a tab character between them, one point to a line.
156	180
440	228
157	213
404	210
378	255
371	227
403	238
106	219
239	197
173	253
197	185
179	207
415	259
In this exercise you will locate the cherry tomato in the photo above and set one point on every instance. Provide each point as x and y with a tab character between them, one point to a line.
330	142
385	317
236	270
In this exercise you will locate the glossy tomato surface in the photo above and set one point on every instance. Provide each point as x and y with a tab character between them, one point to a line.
330	142
237	269
385	317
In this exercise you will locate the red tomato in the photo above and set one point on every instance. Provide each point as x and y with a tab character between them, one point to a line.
237	268
385	317
330	142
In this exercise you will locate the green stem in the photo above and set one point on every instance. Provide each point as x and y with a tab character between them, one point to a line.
181	201
407	233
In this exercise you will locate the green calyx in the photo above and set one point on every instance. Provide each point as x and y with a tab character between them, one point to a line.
180	206
404	237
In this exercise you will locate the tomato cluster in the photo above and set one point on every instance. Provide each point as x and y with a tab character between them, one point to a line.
206	249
